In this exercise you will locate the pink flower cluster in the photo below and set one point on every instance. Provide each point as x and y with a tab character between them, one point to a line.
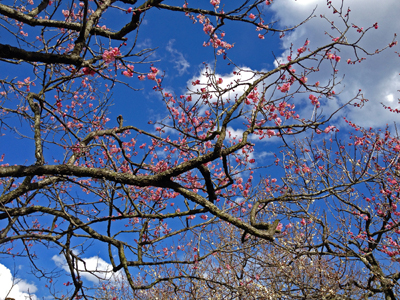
284	88
304	48
215	40
109	55
329	129
333	56
152	74
129	71
27	83
88	71
314	100
215	3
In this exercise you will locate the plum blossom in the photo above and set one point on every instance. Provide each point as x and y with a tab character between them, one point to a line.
314	100
151	76
329	128
284	88
208	28
330	56
129	71
270	133
88	71
215	3
109	55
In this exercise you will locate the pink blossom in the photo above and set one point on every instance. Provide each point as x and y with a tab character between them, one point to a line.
284	88
270	132
109	55
330	56
306	169
303	222
314	100
151	76
129	71
329	128
251	16
142	77
301	50
215	3
208	28
65	13
88	71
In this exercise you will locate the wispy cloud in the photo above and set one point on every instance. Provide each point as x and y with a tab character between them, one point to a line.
181	64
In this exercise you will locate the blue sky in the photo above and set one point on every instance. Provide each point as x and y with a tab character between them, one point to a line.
180	55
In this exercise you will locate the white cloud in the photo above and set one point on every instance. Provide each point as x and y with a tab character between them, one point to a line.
93	268
13	287
234	134
223	90
181	64
377	76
